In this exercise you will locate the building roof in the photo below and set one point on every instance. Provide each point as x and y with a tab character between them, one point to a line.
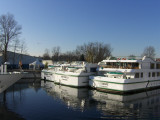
26	59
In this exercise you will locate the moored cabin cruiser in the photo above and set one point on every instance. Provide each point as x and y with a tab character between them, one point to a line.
48	74
75	75
126	75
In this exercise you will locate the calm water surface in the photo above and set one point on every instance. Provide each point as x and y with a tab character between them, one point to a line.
47	101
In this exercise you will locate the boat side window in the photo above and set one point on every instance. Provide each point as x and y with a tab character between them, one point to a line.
135	65
108	64
141	75
157	66
152	66
136	75
153	74
149	74
158	74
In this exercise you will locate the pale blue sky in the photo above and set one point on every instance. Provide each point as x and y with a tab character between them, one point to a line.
127	25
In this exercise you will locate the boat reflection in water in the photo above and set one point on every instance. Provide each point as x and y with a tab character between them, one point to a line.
74	98
142	105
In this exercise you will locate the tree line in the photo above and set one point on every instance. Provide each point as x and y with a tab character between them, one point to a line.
92	52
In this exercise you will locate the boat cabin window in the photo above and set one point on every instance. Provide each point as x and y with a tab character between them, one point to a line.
149	74
93	69
141	75
152	66
157	66
136	75
122	65
158	74
135	65
153	74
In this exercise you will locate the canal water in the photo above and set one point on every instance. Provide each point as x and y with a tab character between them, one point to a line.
47	101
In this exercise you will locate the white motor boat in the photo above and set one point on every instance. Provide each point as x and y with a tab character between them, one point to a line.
127	75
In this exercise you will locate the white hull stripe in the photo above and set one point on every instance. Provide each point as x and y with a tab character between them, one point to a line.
125	83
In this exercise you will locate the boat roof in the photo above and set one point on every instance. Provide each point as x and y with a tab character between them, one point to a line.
121	61
130	60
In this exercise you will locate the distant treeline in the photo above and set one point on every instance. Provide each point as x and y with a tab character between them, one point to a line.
92	52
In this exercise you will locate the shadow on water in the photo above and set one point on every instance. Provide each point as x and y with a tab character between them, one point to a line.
9	96
5	113
46	100
144	105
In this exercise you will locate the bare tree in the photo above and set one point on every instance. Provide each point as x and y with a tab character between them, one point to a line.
71	56
80	52
81	58
102	51
56	53
94	52
9	30
23	49
90	51
149	52
46	55
15	49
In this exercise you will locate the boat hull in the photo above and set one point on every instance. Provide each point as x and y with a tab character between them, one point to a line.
42	74
74	80
47	76
122	85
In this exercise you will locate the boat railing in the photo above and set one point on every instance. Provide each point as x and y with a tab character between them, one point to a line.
125	58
